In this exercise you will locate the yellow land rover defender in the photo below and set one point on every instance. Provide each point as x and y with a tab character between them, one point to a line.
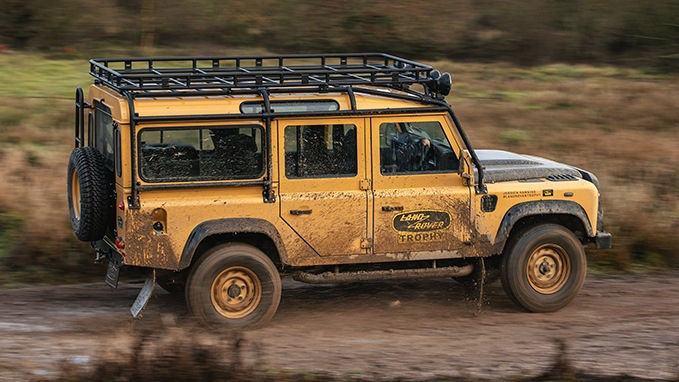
221	174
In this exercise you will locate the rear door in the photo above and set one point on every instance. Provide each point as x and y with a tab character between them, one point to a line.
420	201
323	192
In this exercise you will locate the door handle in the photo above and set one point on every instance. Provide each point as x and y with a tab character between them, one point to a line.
392	208
300	212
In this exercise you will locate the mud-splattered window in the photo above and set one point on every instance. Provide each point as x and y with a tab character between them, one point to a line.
103	133
206	153
320	151
415	147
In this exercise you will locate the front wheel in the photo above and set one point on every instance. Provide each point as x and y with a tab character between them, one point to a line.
544	268
234	285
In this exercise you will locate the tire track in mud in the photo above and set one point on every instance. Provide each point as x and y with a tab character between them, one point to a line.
619	324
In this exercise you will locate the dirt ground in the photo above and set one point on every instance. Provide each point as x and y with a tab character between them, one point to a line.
618	325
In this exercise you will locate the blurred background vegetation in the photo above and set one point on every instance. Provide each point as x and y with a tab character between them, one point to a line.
592	83
621	32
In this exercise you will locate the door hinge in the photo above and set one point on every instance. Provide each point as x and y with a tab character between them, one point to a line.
467	179
364	184
269	194
366	243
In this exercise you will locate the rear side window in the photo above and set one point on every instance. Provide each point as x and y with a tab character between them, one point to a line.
103	133
415	147
202	153
318	151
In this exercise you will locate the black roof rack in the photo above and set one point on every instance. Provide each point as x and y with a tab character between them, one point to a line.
226	74
263	75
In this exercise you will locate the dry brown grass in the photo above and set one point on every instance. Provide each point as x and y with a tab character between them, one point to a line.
621	124
33	159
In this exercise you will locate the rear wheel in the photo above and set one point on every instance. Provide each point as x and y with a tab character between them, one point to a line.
234	285
544	268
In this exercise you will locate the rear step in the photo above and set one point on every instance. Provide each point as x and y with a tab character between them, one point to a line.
392	274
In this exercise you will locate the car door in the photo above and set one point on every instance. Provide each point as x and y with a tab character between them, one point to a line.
323	192
420	201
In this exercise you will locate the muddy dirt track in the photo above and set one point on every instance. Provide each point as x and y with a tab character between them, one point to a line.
619	324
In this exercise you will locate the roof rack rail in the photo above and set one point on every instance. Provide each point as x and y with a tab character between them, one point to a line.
185	76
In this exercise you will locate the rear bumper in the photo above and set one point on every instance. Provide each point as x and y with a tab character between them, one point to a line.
603	240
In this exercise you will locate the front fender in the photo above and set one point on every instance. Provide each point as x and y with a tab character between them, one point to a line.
232	225
538	207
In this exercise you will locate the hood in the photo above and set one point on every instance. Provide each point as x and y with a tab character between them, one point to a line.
502	166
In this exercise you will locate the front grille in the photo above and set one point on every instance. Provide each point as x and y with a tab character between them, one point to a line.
562	177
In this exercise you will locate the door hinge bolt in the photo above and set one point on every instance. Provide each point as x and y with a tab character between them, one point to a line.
364	184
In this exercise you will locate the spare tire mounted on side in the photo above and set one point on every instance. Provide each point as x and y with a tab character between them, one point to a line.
90	193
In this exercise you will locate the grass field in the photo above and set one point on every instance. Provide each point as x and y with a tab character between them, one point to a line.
622	124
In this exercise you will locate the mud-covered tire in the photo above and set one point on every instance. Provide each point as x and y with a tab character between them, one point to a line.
227	273
90	193
544	268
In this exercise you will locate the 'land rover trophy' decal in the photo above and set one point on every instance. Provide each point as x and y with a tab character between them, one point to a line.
420	226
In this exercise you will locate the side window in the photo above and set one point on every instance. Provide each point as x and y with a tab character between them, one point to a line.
415	147
103	133
214	153
320	151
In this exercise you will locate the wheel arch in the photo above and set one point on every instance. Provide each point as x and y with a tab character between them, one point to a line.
528	214
256	232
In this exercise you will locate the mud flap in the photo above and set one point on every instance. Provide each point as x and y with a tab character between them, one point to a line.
144	295
482	281
112	274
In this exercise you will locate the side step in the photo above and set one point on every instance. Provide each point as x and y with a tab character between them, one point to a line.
392	274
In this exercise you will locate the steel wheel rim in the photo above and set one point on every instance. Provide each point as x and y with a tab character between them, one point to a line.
236	292
548	268
75	193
